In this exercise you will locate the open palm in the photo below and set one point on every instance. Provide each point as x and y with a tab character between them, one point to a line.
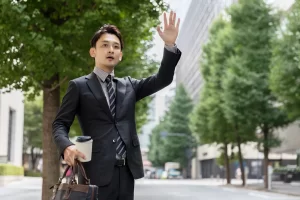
170	32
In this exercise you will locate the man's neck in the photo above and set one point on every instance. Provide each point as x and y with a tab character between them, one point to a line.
104	68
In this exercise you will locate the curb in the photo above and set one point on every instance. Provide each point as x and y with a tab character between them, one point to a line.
295	184
261	189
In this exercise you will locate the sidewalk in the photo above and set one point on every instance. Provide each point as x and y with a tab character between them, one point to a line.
27	188
276	187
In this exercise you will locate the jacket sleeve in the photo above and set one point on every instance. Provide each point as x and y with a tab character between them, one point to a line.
158	81
65	117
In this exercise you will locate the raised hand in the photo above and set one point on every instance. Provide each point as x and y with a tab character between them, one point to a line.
170	32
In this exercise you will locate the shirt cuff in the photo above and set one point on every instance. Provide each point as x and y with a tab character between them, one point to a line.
172	49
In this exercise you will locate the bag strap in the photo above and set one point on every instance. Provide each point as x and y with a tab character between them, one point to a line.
83	173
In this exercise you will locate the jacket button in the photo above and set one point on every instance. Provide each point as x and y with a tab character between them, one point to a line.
114	141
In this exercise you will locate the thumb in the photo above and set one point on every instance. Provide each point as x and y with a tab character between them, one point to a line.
159	30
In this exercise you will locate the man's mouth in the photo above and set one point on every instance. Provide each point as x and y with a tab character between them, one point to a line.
110	57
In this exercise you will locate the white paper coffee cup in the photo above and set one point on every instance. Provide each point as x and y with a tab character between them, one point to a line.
84	144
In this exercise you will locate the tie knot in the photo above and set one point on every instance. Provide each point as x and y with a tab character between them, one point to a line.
108	79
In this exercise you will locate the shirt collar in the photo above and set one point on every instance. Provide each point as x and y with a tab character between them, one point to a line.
103	74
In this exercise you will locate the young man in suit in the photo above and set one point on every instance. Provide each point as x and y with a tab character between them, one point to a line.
105	107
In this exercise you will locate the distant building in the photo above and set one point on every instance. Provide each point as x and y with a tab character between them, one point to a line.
193	35
11	127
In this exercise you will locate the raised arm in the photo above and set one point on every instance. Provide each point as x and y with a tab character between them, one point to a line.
164	77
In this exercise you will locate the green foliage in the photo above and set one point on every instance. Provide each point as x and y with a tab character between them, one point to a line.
221	159
236	100
208	120
175	147
44	38
284	77
180	109
155	146
248	100
33	117
11	170
32	173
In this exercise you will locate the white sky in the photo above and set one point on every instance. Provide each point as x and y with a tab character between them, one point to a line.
282	4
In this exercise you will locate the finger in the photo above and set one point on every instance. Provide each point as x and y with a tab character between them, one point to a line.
171	18
159	30
80	154
178	23
69	162
174	18
165	20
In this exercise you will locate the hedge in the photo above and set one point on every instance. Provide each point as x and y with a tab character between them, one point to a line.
32	173
286	169
11	170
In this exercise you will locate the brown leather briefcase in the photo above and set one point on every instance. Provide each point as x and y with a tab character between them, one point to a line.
72	190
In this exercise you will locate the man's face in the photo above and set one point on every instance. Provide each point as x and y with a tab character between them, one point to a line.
107	52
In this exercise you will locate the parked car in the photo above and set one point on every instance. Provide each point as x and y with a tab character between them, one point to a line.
174	174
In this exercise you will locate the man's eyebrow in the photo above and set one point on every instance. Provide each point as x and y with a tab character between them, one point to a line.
106	41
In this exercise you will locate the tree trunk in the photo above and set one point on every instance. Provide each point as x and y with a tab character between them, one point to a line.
266	156
50	154
33	158
241	160
227	163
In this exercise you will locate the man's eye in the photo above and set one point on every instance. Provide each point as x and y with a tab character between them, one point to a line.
117	47
105	45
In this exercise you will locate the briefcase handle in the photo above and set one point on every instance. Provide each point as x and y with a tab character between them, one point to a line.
73	180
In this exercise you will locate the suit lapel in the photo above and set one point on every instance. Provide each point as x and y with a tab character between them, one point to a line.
120	92
96	88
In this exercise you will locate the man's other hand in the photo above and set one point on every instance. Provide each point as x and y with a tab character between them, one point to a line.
71	153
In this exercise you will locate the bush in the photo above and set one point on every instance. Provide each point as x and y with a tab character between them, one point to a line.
32	173
11	170
286	170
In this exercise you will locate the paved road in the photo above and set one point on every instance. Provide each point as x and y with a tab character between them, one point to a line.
29	189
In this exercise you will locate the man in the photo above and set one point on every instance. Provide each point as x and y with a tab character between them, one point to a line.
105	107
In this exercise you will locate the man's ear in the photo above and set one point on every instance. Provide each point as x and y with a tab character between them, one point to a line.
93	52
120	57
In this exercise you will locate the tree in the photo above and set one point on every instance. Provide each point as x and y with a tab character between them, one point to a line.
208	119
46	43
248	99
284	76
155	146
177	144
33	129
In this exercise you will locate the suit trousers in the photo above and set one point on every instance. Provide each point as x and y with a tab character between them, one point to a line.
121	186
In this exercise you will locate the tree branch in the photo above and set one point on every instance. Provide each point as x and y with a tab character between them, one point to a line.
59	84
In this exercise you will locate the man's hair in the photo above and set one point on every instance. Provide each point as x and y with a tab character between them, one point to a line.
107	28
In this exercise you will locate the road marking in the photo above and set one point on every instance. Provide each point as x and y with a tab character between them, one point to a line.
270	197
259	195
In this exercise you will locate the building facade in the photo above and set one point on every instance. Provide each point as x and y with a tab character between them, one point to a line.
11	127
193	35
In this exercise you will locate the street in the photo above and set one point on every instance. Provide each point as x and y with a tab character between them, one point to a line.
30	189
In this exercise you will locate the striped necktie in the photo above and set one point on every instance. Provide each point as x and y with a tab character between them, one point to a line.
121	150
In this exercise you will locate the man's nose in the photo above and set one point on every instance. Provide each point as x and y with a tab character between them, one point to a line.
111	49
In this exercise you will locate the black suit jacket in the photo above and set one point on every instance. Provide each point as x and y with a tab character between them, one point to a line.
85	98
